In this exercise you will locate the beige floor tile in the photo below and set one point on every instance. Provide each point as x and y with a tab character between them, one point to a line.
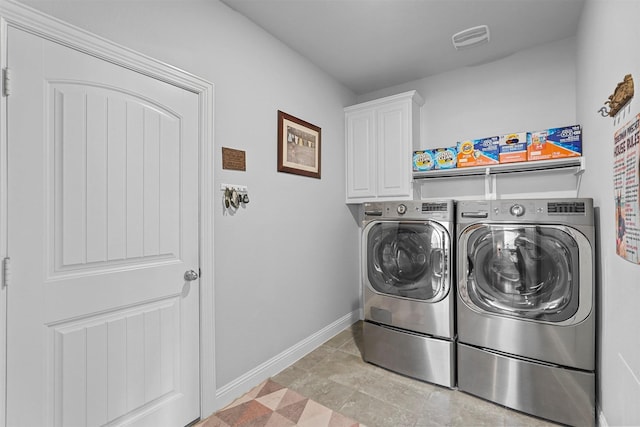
518	419
324	391
290	375
336	376
315	357
376	413
351	347
341	338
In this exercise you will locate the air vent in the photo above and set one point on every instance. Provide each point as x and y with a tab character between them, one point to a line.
434	207
471	37
566	208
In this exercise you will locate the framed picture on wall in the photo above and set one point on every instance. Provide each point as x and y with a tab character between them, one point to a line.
298	146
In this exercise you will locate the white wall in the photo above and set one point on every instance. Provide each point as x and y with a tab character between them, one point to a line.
287	264
530	90
608	43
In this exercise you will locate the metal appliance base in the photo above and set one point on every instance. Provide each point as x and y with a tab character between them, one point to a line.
417	356
565	396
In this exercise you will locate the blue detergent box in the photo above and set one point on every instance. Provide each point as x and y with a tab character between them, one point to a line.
434	159
423	161
445	158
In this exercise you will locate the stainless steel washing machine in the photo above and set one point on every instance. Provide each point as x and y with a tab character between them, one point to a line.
408	296
526	306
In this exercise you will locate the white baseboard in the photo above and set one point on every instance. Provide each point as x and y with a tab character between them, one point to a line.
241	385
602	421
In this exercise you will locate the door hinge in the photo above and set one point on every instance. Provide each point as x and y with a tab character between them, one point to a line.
6	81
6	271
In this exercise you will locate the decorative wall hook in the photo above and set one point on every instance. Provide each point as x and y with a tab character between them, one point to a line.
234	196
620	97
604	111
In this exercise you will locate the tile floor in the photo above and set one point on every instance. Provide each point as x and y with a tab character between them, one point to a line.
271	404
335	376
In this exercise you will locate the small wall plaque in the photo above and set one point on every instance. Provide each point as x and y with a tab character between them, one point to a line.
233	159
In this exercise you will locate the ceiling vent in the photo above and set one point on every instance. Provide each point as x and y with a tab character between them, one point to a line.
471	37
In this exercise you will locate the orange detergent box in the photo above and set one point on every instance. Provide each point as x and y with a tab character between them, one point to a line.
513	147
555	143
478	152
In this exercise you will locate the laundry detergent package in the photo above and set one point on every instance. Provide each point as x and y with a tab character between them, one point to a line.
444	158
555	143
423	161
513	147
478	152
438	158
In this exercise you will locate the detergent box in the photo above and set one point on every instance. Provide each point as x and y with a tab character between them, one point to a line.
423	161
555	143
513	147
445	158
437	158
478	152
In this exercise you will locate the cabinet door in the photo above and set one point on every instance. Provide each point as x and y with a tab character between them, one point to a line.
394	150
361	155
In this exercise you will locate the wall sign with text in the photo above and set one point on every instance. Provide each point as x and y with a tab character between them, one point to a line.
626	172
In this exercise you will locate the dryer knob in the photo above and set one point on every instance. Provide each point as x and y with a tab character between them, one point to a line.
402	209
517	210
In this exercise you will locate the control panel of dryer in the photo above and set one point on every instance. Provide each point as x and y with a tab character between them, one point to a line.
411	209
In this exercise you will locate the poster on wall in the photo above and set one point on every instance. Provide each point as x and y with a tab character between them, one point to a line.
626	172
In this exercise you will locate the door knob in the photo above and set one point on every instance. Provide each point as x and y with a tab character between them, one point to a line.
190	275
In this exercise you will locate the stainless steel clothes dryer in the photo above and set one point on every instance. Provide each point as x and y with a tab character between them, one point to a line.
408	296
525	306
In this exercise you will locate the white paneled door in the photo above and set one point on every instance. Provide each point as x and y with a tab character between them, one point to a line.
103	327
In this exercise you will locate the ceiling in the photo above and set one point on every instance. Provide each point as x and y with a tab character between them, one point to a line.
374	44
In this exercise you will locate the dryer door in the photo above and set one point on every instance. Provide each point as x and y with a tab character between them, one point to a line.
526	271
408	259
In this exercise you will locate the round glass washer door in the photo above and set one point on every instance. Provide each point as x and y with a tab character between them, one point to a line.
528	272
408	259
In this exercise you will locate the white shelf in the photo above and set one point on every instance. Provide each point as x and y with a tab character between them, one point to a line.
573	165
532	166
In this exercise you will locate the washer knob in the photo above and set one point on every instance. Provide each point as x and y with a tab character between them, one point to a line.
402	209
517	210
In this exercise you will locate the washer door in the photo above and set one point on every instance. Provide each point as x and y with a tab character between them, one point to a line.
526	271
408	259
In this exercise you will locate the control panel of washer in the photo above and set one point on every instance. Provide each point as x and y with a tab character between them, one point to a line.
520	209
526	210
517	210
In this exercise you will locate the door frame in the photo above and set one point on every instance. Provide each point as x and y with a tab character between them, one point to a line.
17	15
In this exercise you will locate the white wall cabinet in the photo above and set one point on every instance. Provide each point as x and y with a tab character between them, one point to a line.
380	138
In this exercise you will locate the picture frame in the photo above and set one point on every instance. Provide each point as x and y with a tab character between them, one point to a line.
299	146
